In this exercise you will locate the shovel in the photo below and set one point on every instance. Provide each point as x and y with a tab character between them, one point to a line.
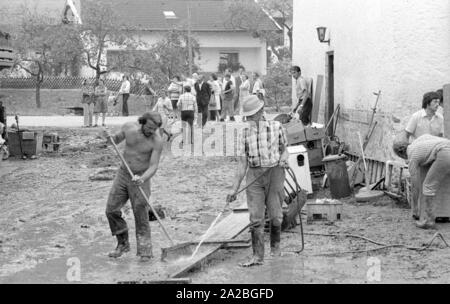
182	250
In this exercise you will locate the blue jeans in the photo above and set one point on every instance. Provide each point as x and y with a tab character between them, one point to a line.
123	189
266	192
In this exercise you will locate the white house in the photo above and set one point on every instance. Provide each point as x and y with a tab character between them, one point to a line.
400	47
218	41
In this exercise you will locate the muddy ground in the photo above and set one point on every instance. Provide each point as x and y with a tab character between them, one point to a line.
52	212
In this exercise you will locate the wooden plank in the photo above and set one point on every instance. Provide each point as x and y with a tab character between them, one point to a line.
317	97
447	111
228	228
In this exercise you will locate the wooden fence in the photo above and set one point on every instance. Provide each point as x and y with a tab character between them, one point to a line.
65	83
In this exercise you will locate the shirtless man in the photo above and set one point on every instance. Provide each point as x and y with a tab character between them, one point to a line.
143	146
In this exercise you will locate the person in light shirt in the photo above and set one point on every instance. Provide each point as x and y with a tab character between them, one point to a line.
187	104
427	120
302	104
164	107
125	92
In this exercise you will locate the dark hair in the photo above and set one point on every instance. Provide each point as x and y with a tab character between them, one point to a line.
441	95
214	76
155	117
187	89
401	148
296	68
428	97
256	74
177	77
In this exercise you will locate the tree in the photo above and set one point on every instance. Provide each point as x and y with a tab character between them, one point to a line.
283	12
43	44
249	15
101	29
278	84
162	61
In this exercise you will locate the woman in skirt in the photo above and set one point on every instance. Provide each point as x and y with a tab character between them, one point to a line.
101	102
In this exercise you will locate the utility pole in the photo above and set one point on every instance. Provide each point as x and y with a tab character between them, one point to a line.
189	38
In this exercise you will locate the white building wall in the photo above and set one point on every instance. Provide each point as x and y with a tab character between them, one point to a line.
252	52
400	47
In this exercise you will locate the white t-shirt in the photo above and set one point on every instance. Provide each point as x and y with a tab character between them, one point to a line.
419	124
125	88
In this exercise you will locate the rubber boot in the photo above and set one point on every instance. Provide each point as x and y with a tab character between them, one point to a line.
122	245
144	248
258	249
429	221
275	238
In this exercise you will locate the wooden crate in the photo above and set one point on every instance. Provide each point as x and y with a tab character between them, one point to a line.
329	211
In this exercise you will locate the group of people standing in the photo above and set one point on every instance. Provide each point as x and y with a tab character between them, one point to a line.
95	97
95	102
213	99
208	99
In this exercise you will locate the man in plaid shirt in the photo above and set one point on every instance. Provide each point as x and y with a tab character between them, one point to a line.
263	156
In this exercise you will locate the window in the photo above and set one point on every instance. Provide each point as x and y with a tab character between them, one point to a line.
170	15
229	60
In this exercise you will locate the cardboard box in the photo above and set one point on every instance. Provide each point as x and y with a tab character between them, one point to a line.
315	152
313	133
295	132
325	210
315	157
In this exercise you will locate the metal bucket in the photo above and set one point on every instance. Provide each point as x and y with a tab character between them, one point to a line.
337	176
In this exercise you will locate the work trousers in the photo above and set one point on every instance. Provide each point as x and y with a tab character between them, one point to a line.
428	178
123	189
266	192
437	172
88	112
125	104
305	112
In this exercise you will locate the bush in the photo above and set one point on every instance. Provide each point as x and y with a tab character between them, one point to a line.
278	85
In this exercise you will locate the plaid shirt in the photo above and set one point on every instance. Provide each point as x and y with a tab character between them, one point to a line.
187	102
263	146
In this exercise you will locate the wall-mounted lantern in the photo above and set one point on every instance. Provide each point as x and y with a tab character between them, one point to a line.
321	32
